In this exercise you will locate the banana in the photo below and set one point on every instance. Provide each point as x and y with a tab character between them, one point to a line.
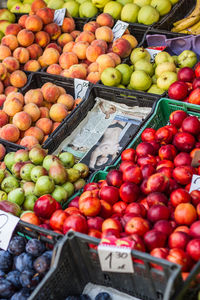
196	11
194	27
186	23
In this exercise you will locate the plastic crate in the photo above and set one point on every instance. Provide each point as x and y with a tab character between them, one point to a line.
10	147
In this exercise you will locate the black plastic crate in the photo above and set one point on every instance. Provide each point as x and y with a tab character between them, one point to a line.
10	147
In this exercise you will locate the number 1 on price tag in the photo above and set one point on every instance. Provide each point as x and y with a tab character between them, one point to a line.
80	88
8	223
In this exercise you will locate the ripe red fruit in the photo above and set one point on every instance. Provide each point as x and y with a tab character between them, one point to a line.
185	214
191	125
136	208
178	239
148	135
158	212
163	135
165	163
159	253
114	177
195	195
167	152
90	206
125	164
179	257
110	232
194	96
119	207
133	174
90	186
57	219
195	229
156	198
95	223
147	160
157	183
109	194
178	90
196	83
183	174
163	226
154	239
197	70
137	241
127	217
74	202
143	187
128	155
137	225
186	74
45	206
176	117
75	222
182	159
179	196
193	249
144	148
172	128
147	170
184	141
129	192
111	223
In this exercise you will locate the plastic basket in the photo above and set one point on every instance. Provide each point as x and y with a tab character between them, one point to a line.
10	147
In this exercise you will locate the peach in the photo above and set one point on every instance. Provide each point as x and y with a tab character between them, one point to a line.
50	92
45	125
105	19
62	90
25	37
16	95
55	46
67	100
65	73
6	81
3	71
85	36
33	110
9	89
34	23
1	87
21	54
13	29
78	71
42	38
68	59
68	25
51	56
35	51
80	49
55	125
32	66
91	26
115	57
44	112
69	46
47	104
35	132
93	52
37	4
29	142
131	39
64	39
12	106
122	47
18	79
53	30
4	52
104	33
2	152
58	112
3	118
41	62
93	77
22	21
10	133
75	33
105	61
93	67
10	41
45	138
100	43
54	69
22	120
11	64
46	14
34	96
2	99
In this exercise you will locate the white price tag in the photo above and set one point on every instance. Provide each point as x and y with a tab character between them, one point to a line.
195	184
119	29
80	87
8	223
59	16
153	53
115	259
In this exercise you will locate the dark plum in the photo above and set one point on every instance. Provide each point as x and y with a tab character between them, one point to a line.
84	297
20	296
6	288
42	264
17	245
28	278
13	277
23	261
35	247
103	296
6	261
2	274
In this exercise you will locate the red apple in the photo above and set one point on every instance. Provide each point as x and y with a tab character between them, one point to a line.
159	253
155	145
74	202
167	152
195	195
90	206
114	178
182	228
45	206
157	183
127	217
147	160
110	232
195	229
106	209
165	163
143	187
173	185
176	117
163	136
94	233
147	170
193	249
178	239
185	214
129	192
194	96
186	74
183	174
148	135
197	70
163	226
111	223
128	155
184	141
137	225
73	210
179	196
154	239
182	159
196	83
136	208
178	90
87	194
57	219
191	125
138	243
95	223
144	148
156	198
171	128
75	222
125	164
158	212
109	194
178	256
119	207
90	186
133	174
165	171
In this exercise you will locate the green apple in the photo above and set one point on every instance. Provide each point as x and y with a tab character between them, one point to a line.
28	1
162	57
113	8
165	67
144	65
175	59
166	79
148	15
173	1
29	202
111	77
80	1
69	187
3	25
72	7
141	3
126	73
16	7
139	53
124	2
11	3
187	59
87	10
154	79
25	8
7	15
16	196
121	86
140	80
129	13
163	6
55	4
154	89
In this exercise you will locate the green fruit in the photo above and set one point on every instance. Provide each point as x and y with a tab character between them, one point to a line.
28	187
163	6
187	59
69	187
113	8
16	196
67	159
111	77
9	183
124	2
154	89
21	155
129	13
87	10
73	175
126	73
140	81
60	194
11	3
72	7
162	57
9	160
48	160
79	184
148	15
141	3
44	185
3	196
166	79
139	53
7	15
58	173
37	172
25	172
121	86
144	65
55	4
82	168
2	175
37	155
29	202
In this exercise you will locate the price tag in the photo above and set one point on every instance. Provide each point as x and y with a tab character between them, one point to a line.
80	87
115	259
119	29
8	223
59	16
195	184
153	51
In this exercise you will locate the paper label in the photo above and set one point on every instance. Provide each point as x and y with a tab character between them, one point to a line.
195	183
59	16
196	159
153	51
119	29
8	223
80	88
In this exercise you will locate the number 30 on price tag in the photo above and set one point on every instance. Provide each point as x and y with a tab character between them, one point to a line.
8	223
115	259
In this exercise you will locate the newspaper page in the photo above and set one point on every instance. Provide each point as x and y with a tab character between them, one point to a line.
105	131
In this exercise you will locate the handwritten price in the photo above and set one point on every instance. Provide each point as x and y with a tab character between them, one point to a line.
80	87
119	29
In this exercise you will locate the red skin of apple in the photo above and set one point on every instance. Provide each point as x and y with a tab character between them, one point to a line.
171	128
147	160
58	205
144	203
185	214
95	233
195	229
182	159
198	210
119	207
197	145
191	125
173	185
91	186
163	136
110	194
179	257
179	196
156	198
182	228
154	239
73	210
167	152
159	253
176	118
147	170
127	217
178	240
197	70
106	209
136	208
110	232
133	174
155	145
111	223
158	159
165	163
137	225
195	195
183	174
158	212
90	207
186	74
87	194
144	148
125	164
194	96
114	178
184	141
102	183
193	249
74	202
45	206
165	171
95	223
143	187
148	135
178	90
75	222
57	219
163	226
128	155
129	192
196	83
157	183
138	243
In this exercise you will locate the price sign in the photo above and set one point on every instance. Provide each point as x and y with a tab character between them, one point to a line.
153	53
119	29
195	184
80	87
59	16
115	259
8	223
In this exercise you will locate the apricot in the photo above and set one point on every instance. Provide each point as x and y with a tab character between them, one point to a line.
100	43
13	29
55	125
131	39
6	82
25	37
58	112
45	125
3	118
69	46
115	57
91	26
104	33
93	52
22	120
41	62
16	95
65	73
33	110
37	4
45	138
1	87
35	132
51	56
4	52
75	33
12	106
62	90
34	96
34	23
3	71
55	46
47	104
93	67
78	71
42	38
21	54
105	19
53	30
50	92
35	51
85	36
32	66
93	77
10	133
54	69
11	64
2	152
29	142
105	61
68	59
10	41
22	21
80	49
2	99
9	89
46	14
68	25
67	100
44	112
18	79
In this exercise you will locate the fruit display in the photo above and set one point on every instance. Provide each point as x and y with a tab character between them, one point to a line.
6	18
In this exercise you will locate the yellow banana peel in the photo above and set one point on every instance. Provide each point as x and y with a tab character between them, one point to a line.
195	12
186	24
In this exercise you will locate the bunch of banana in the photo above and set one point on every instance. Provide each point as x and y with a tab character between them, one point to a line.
190	24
